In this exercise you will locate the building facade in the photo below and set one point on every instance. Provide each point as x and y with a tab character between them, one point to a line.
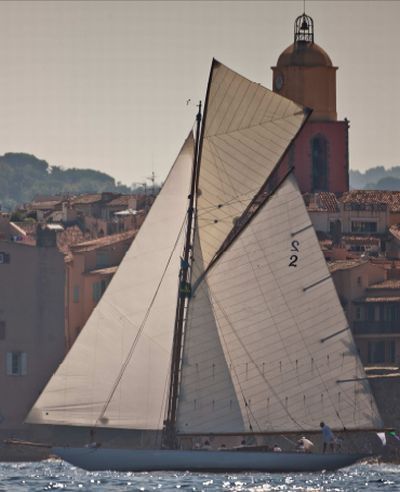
32	337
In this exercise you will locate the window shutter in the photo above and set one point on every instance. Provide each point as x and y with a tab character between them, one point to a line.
24	364
9	364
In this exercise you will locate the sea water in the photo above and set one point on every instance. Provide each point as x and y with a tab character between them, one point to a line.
58	475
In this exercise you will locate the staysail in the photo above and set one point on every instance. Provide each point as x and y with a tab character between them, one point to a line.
116	374
267	313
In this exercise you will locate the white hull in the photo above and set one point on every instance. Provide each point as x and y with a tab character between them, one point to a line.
97	459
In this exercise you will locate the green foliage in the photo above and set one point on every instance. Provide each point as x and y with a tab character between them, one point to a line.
376	178
24	176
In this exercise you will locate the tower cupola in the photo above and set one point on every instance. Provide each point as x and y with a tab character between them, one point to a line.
304	72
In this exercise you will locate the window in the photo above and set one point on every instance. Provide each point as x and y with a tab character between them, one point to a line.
381	351
358	312
359	281
364	227
319	155
75	294
376	352
96	291
16	364
371	312
4	258
102	259
2	330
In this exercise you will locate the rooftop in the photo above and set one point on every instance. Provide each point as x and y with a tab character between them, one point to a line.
390	198
321	201
103	241
387	284
337	265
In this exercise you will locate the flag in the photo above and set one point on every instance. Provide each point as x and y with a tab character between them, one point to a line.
393	434
382	437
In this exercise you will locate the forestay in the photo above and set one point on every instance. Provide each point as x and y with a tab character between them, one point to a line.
116	373
247	129
280	330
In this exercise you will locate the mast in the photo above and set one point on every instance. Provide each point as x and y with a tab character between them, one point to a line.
184	291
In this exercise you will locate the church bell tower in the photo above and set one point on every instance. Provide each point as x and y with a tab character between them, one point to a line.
304	73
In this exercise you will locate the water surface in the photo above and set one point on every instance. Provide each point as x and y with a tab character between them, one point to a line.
58	475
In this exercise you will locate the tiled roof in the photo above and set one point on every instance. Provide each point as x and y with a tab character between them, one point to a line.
101	242
321	201
387	284
390	198
361	240
86	199
67	238
49	205
334	266
122	200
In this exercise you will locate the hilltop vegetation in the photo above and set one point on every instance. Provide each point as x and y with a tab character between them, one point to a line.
24	176
376	178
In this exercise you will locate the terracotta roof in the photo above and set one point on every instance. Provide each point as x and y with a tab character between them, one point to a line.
390	198
361	240
85	199
49	205
67	238
337	265
322	201
387	284
102	242
122	200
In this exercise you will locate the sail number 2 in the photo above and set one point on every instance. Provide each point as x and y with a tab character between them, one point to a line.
293	258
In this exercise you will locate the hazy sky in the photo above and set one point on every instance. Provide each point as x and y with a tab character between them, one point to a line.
104	85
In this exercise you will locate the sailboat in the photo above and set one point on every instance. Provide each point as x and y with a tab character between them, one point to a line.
222	323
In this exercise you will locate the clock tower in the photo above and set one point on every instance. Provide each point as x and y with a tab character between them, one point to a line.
305	73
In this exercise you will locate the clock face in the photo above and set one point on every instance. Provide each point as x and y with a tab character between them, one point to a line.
278	81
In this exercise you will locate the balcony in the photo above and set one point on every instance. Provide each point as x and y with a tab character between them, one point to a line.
376	327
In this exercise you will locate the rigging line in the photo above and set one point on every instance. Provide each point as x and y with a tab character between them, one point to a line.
141	328
231	201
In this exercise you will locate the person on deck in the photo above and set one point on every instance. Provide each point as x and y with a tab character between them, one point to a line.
307	444
276	449
327	437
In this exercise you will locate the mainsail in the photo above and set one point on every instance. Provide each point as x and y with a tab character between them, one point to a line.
116	374
268	316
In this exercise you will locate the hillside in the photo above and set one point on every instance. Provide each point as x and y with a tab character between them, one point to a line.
23	176
376	178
